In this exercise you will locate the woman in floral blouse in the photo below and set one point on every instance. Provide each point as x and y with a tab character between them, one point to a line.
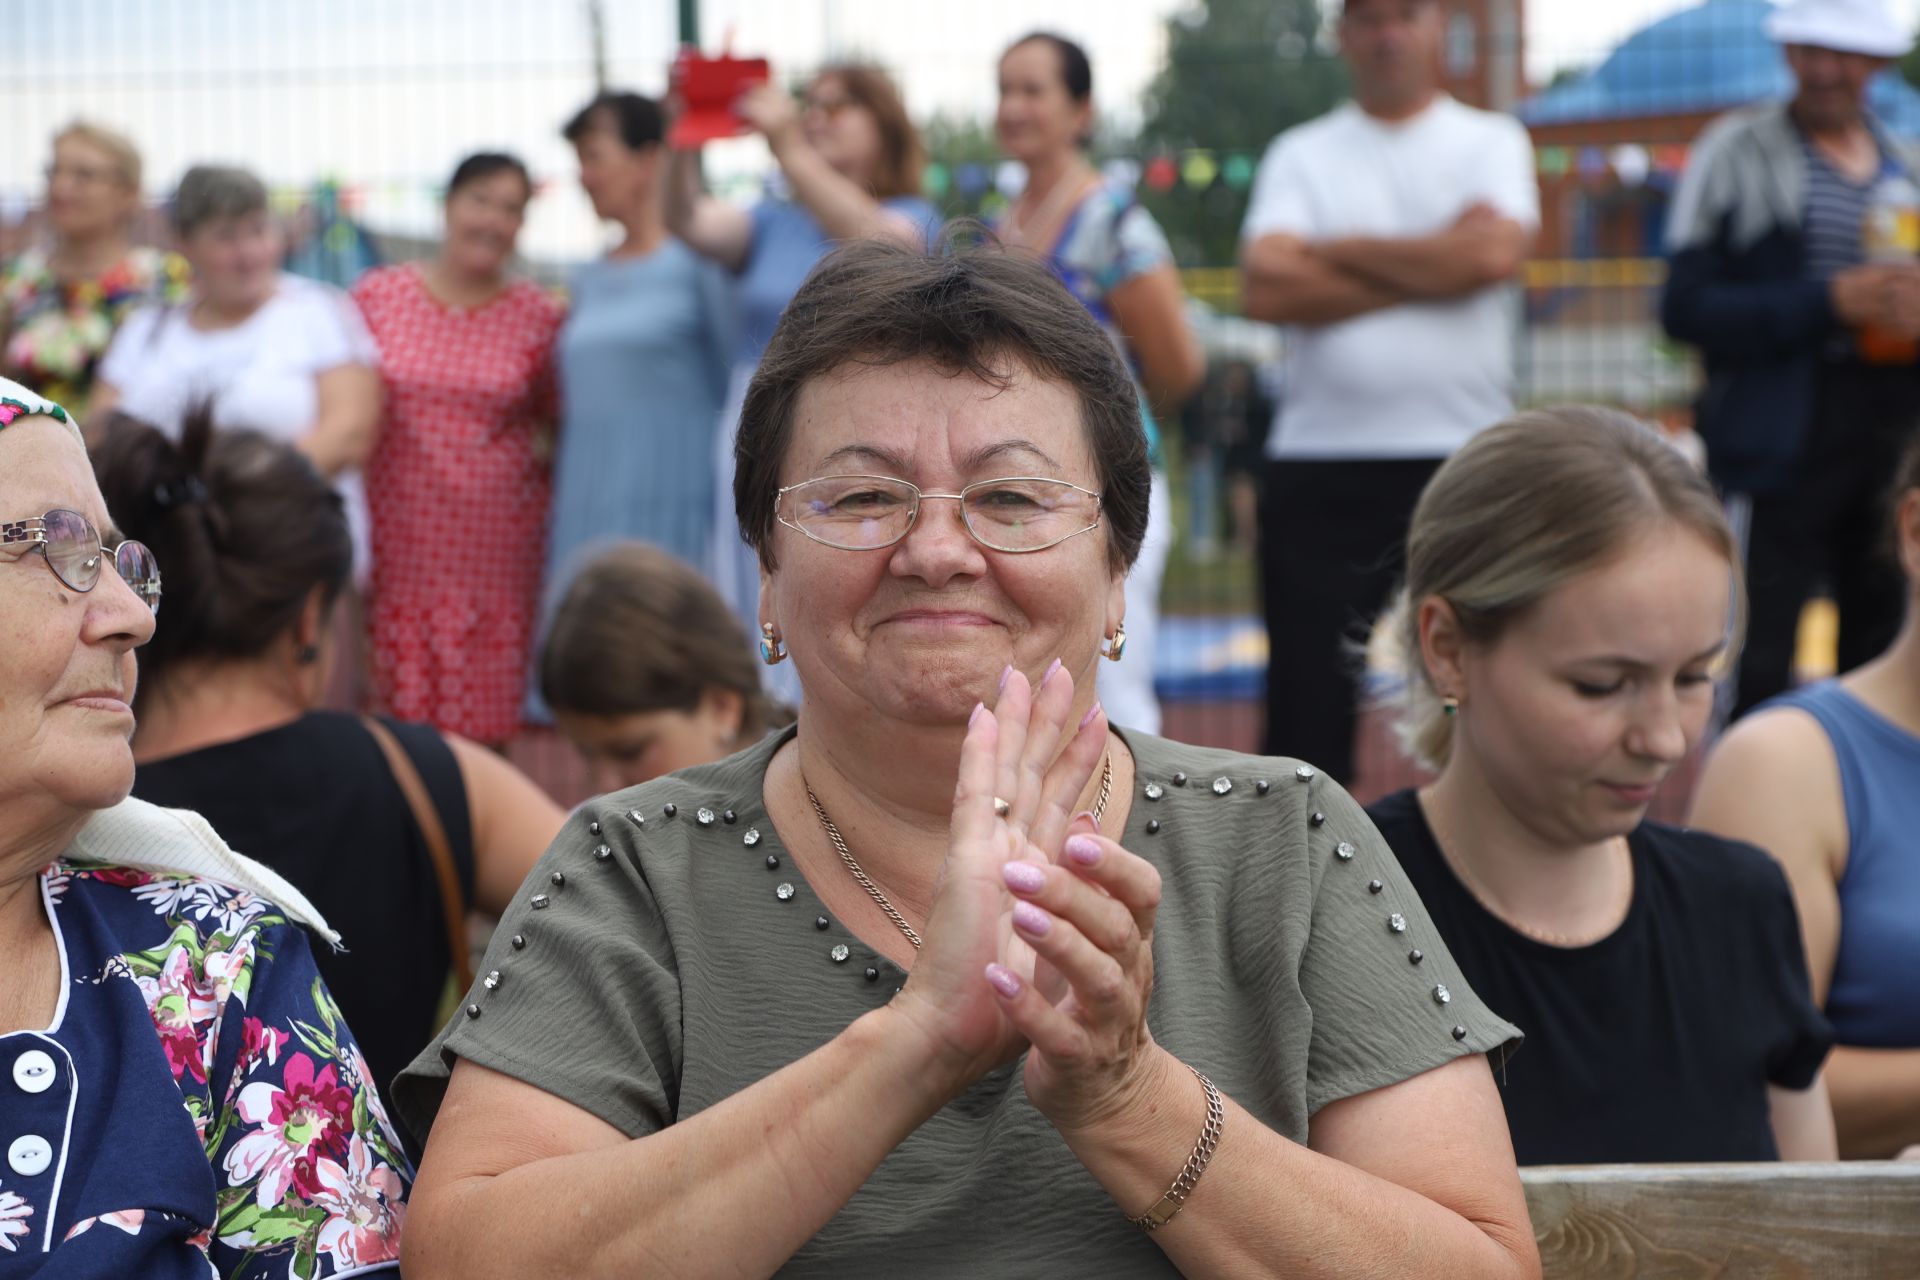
178	1094
61	303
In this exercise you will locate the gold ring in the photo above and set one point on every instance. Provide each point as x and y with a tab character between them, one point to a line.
1001	808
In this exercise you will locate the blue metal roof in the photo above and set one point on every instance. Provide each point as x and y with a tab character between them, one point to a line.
1707	58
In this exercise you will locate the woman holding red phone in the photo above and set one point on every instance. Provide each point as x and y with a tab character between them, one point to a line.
850	163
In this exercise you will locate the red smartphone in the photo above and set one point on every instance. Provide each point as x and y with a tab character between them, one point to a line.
707	89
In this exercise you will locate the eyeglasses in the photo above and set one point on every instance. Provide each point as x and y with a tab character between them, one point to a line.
84	174
72	548
866	513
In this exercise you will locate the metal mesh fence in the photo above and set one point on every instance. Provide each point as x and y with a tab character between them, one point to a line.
354	112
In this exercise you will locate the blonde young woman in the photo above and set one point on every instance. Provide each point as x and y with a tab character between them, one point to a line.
1571	591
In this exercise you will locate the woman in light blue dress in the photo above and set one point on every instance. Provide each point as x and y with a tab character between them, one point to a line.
643	360
850	163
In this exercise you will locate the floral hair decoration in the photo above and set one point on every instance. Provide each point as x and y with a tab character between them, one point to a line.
17	402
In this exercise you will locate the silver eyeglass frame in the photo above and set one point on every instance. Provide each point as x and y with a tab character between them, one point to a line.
17	537
920	495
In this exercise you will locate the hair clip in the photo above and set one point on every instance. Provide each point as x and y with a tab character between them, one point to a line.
176	493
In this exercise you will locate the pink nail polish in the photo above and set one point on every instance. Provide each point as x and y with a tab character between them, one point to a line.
1031	919
1053	669
1088	816
978	707
1088	718
1004	980
1024	877
1084	850
1006	674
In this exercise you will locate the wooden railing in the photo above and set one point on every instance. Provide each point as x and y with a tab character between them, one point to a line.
1857	1220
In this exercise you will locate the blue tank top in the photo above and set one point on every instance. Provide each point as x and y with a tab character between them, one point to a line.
1874	1000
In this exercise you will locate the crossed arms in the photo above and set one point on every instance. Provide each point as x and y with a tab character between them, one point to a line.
1286	279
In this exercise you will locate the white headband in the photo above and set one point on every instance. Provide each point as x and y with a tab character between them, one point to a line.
17	402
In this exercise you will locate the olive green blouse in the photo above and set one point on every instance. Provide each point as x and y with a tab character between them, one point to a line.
667	953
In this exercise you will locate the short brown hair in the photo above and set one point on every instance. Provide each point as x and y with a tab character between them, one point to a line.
639	630
211	191
975	310
636	120
1522	508
902	155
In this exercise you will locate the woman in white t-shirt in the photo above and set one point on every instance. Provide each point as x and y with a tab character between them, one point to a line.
271	352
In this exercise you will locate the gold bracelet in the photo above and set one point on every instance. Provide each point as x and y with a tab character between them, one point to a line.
1176	1197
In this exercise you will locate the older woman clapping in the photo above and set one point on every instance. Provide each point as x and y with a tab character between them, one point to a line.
820	1009
178	1094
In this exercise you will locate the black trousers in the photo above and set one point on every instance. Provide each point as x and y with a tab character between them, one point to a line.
1332	545
1832	528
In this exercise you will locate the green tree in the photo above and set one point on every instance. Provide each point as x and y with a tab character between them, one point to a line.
1238	72
952	143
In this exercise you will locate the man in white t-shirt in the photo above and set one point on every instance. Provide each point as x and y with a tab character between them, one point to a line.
1382	235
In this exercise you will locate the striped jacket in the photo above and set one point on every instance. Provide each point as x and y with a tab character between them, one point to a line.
1737	288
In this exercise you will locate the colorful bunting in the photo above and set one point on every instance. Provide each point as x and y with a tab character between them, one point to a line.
1631	163
1195	169
1200	169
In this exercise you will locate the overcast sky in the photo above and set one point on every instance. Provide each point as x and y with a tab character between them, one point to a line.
389	92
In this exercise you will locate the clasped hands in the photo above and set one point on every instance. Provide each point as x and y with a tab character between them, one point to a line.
1040	934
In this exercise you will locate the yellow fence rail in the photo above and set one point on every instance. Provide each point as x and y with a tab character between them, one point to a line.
1219	287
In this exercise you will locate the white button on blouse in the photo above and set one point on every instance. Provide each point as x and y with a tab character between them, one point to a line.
33	1071
29	1155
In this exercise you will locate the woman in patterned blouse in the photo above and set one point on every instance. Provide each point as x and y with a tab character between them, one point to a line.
178	1094
61	302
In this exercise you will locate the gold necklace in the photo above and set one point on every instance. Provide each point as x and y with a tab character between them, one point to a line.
873	890
1444	842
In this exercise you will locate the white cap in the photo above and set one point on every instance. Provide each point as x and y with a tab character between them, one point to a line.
1845	26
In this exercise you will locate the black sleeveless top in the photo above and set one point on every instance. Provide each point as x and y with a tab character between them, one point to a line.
316	801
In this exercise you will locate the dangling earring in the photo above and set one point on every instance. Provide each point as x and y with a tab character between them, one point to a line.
773	650
1449	706
1116	644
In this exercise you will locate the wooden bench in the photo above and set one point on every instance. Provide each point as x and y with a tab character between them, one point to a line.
1856	1220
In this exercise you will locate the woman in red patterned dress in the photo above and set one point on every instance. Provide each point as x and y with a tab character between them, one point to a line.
459	484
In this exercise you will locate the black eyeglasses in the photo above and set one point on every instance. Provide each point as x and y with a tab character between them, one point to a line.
865	513
72	548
